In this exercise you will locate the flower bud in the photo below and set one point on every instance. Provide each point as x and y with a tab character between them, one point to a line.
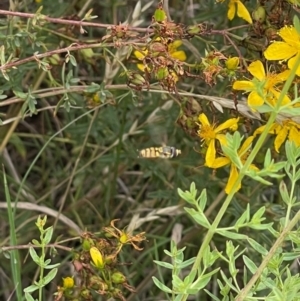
193	30
259	14
118	278
68	282
232	63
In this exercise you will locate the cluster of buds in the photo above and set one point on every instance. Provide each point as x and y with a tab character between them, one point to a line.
97	266
159	59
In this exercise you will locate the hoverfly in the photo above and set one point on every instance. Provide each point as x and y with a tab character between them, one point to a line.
157	131
164	152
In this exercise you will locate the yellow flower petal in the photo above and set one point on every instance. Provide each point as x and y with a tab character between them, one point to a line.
227	124
286	100
254	100
140	55
283	76
175	44
246	145
179	55
280	138
290	35
244	85
232	179
220	162
293	61
274	128
97	257
231	10
222	139
142	67
294	135
203	119
279	51
210	153
257	70
242	12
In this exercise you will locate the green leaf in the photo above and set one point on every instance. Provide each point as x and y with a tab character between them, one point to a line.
213	297
49	277
161	286
245	217
284	193
186	263
256	246
36	243
48	235
198	217
164	264
202	281
250	264
28	297
202	199
51	266
257	216
31	288
34	255
231	235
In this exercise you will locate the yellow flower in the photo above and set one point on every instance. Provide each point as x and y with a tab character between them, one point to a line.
236	6
233	175
263	86
287	50
68	282
209	133
232	63
97	257
288	129
172	50
124	237
176	54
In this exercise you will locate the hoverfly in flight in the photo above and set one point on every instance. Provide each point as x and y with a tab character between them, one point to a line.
164	152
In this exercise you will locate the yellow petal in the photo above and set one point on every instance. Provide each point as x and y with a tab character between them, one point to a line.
290	35
142	67
257	70
244	85
293	61
279	51
220	162
294	135
274	128
231	10
179	55
243	13
254	100
283	76
210	153
227	124
203	119
259	130
222	139
175	44
97	257
246	145
286	100
232	179
140	55
280	138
